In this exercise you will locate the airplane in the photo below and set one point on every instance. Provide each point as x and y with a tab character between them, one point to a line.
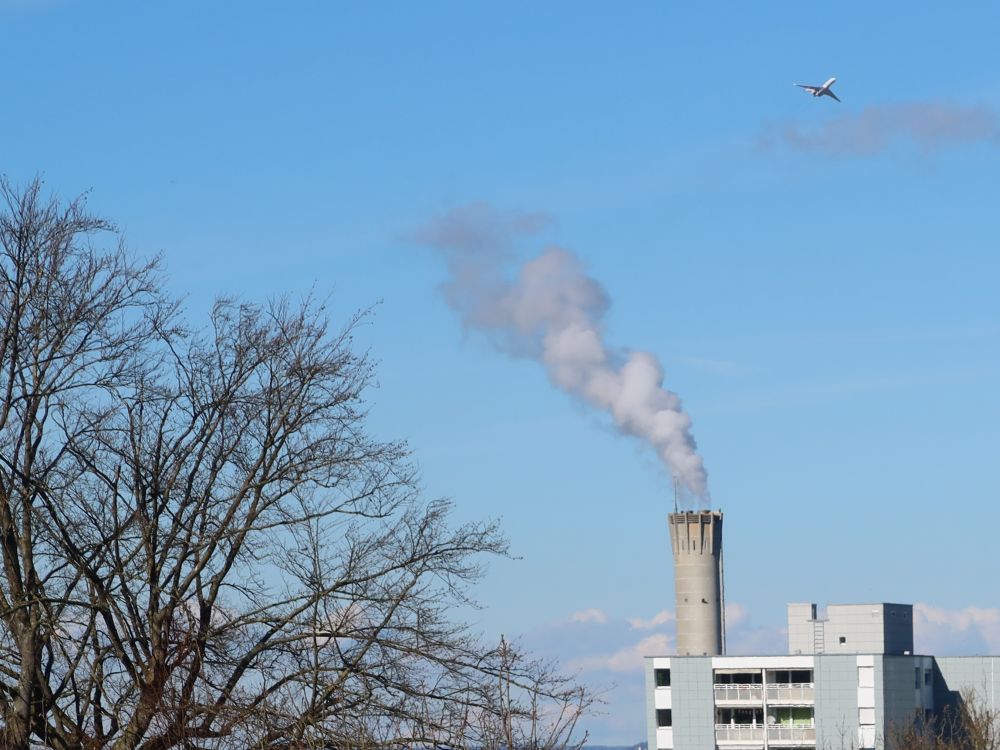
823	90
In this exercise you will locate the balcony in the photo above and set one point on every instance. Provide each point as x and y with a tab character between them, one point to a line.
739	733
739	695
790	694
791	733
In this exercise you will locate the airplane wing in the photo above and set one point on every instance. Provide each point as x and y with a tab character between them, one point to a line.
830	93
807	88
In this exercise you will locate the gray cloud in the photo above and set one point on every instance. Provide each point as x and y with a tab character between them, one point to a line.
930	126
550	310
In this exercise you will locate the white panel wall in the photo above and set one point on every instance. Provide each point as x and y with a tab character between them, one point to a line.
866	737
762	662
866	701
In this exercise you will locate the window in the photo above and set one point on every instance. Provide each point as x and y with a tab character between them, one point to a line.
843	639
916	678
664	717
927	676
662	677
786	676
738	678
798	716
754	716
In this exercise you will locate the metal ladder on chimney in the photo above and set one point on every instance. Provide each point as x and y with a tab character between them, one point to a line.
819	636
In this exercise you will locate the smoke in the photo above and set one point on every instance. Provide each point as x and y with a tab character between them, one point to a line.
550	310
930	126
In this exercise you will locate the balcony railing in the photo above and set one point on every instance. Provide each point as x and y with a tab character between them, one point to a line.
777	733
739	733
739	693
794	692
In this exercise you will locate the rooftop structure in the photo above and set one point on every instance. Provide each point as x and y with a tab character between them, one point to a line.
851	629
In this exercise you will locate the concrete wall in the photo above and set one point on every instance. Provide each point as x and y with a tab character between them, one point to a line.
860	626
958	674
851	629
904	690
650	704
693	703
801	622
696	540
898	622
836	679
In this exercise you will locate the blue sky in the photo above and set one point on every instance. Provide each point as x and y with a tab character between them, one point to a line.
818	280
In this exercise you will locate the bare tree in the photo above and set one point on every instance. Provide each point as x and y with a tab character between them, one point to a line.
539	707
970	724
202	545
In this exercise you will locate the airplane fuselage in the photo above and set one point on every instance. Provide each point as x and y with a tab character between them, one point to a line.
823	90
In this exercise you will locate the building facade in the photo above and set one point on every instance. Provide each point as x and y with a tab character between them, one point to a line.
848	679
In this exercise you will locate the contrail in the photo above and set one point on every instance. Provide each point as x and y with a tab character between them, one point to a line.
550	310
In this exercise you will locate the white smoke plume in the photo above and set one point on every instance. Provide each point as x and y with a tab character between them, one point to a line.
930	126
549	309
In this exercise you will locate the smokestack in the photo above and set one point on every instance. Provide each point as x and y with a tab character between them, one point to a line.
696	538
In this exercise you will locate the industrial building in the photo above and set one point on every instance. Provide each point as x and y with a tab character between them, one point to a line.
849	677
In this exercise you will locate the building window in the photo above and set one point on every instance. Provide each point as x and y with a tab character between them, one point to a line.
662	677
790	676
843	639
927	676
797	716
738	678
751	716
916	678
664	718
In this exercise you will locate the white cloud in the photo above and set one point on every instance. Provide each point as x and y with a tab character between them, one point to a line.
957	631
660	618
590	615
628	659
736	614
607	652
618	646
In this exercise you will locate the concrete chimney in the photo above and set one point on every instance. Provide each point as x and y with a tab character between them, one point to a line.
696	538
